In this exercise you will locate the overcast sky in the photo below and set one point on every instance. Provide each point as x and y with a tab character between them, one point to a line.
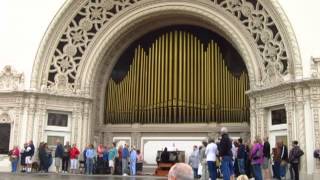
23	23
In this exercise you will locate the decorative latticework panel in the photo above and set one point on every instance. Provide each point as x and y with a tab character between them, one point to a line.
95	14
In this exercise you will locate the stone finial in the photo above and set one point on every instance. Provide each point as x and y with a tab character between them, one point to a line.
10	79
315	67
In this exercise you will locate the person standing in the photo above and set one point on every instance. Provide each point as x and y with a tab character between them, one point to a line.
66	157
14	158
139	162
112	157
194	161
105	159
133	161
241	157
99	163
211	153
203	161
29	154
125	159
257	158
284	160
74	154
226	154
90	158
23	153
266	158
58	155
294	160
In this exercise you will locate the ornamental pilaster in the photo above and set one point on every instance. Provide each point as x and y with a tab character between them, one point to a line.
253	120
300	121
31	115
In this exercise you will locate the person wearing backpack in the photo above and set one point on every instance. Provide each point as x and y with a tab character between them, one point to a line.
257	158
294	160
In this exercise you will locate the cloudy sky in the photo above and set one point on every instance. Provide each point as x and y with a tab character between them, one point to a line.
24	22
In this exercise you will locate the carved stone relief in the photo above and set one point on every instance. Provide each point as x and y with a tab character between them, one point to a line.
10	79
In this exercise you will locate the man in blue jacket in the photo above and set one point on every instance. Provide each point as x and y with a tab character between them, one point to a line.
58	155
125	157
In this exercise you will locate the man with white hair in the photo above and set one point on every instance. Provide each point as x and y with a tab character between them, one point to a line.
180	171
226	154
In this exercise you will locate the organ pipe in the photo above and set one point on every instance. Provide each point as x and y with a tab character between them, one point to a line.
178	79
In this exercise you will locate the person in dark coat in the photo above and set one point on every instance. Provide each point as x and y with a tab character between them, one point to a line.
294	160
58	156
165	155
23	153
44	156
226	154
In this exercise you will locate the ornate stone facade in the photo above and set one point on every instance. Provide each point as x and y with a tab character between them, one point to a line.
85	39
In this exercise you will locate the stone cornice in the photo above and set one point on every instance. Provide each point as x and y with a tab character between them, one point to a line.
285	86
173	128
42	95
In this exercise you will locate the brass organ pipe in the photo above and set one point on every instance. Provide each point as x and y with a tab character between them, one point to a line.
188	77
180	78
202	73
155	73
198	90
166	75
159	82
175	78
184	100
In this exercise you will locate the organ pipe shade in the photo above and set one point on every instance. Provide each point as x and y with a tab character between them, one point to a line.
178	79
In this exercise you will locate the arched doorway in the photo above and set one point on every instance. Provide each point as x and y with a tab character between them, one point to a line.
77	60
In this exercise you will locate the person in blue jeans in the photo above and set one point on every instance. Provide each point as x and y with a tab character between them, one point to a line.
90	154
14	158
257	158
241	156
284	159
226	154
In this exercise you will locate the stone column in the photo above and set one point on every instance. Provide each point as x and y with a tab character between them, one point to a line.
42	119
85	124
79	126
31	113
300	121
253	119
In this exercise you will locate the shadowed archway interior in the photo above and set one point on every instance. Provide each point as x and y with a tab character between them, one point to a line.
178	74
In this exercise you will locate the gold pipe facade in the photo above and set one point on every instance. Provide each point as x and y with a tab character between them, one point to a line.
178	80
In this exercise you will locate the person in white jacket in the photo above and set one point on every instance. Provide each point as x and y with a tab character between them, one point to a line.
211	153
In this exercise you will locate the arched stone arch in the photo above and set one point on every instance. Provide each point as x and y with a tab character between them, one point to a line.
85	39
258	26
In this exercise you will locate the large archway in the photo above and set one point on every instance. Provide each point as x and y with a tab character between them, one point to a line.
86	39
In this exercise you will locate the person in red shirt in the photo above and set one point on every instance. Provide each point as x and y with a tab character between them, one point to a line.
14	158
74	154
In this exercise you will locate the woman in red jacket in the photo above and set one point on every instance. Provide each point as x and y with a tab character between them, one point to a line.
74	154
14	158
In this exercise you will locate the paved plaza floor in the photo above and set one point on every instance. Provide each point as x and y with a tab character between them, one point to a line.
53	176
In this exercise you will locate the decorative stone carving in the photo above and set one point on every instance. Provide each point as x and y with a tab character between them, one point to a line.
11	79
315	67
5	118
94	15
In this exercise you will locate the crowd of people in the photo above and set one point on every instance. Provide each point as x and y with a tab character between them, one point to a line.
225	158
68	159
232	158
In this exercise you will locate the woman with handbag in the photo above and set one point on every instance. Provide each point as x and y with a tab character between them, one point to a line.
14	158
257	158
